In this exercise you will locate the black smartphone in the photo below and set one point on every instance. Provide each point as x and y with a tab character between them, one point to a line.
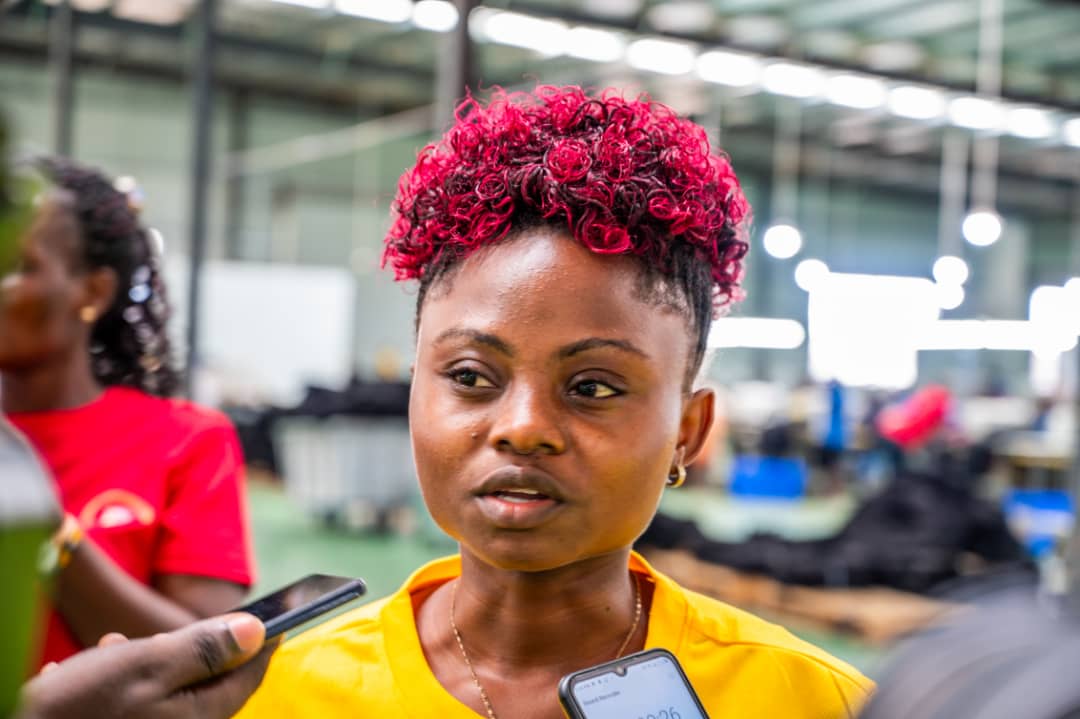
302	601
645	685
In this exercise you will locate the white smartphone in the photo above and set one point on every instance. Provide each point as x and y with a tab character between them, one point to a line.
645	685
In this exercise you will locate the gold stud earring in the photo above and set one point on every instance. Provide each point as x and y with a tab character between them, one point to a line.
88	314
677	476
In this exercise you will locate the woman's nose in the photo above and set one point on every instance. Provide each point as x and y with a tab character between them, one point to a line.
528	421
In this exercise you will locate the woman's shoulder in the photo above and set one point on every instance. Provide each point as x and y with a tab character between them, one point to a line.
713	625
347	632
180	414
328	670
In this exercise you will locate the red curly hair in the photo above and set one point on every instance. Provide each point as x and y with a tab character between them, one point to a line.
622	176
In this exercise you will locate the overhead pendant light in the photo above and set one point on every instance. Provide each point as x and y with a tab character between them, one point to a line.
782	240
950	270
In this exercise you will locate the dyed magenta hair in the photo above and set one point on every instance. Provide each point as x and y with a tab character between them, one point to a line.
625	176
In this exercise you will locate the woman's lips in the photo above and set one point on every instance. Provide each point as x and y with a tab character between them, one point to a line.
516	509
516	497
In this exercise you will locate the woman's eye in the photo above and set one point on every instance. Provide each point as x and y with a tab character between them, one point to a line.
594	390
470	378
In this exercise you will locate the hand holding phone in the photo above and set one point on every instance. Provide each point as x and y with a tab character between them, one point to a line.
303	601
645	685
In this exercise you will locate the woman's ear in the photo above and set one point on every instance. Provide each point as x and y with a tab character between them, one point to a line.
99	289
696	423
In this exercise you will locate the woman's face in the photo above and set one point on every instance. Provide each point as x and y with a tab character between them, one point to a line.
41	298
548	403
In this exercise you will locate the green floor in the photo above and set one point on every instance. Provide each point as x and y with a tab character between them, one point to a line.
289	544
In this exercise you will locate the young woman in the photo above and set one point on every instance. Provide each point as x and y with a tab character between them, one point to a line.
155	534
571	251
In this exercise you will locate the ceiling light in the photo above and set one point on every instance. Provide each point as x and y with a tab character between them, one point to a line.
976	113
155	12
857	91
978	335
786	78
381	10
1071	131
949	297
1030	122
729	68
589	43
435	15
916	103
782	241
547	37
810	273
950	270
982	228
662	56
761	332
1053	310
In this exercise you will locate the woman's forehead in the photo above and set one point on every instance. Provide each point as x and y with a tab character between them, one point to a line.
544	287
53	228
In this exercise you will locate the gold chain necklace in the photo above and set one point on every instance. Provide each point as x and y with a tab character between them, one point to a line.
469	664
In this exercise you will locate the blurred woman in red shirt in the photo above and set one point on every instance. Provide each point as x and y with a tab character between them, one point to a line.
156	533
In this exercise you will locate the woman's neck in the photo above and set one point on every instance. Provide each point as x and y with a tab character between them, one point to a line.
56	385
560	618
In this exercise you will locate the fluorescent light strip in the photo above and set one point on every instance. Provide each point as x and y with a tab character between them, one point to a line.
391	11
793	80
435	15
661	56
588	43
1071	132
729	68
857	91
917	103
756	332
1014	335
1031	123
547	37
654	54
976	113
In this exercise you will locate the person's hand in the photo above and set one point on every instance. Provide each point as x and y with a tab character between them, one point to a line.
206	670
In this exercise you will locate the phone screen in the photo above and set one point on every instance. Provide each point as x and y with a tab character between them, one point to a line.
302	601
648	686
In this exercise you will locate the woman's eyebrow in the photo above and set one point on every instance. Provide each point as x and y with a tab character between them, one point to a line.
484	338
598	342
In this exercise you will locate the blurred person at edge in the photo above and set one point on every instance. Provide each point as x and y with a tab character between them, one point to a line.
571	251
28	510
155	531
204	671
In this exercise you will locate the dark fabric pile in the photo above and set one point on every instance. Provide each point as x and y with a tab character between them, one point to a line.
359	398
911	536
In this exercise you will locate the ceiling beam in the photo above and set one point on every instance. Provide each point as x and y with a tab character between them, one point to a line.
832	13
923	20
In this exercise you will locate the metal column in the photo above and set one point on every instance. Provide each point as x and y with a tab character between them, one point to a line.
236	184
203	106
456	72
61	50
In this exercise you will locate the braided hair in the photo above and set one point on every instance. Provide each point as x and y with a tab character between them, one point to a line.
128	344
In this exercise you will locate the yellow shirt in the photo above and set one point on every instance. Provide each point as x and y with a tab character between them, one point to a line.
369	663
